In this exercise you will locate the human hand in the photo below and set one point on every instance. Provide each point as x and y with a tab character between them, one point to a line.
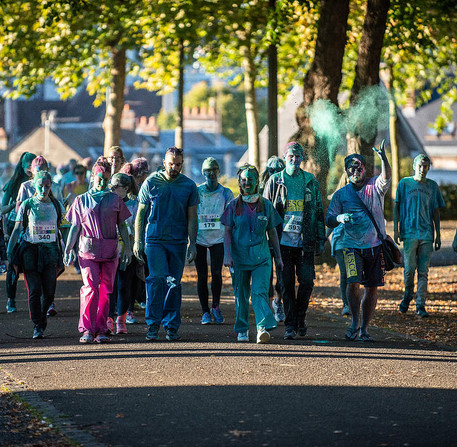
397	237
228	261
138	250
279	264
127	257
381	151
191	253
68	258
320	248
437	243
344	218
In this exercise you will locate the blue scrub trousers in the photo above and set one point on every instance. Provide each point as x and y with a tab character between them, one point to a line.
164	259
258	292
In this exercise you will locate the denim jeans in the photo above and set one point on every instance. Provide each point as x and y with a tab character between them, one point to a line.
296	262
258	291
164	259
417	255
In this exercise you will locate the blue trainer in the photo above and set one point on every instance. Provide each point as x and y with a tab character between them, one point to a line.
217	314
206	318
172	335
153	333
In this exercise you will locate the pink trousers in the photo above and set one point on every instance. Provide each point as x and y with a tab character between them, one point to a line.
98	280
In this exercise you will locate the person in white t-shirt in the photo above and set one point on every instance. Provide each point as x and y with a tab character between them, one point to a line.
213	200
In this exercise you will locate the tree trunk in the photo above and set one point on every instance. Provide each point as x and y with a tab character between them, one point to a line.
272	95
323	82
250	72
367	70
115	100
179	130
393	132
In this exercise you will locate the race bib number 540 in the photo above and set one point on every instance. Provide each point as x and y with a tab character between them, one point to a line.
44	234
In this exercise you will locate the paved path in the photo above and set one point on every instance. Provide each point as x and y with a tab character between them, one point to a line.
209	390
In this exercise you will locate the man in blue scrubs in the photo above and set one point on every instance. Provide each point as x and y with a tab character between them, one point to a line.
166	220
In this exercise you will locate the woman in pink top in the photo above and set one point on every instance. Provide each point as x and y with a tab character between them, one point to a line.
95	216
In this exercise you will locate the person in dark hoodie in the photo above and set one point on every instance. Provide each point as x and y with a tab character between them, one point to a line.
296	196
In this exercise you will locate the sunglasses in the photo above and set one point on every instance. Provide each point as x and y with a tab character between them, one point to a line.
79	172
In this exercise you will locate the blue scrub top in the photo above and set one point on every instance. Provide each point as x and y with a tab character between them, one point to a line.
249	240
167	203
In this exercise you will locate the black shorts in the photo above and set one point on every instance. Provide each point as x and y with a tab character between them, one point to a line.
364	266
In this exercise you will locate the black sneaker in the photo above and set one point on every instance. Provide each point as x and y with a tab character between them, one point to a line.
38	333
153	333
172	335
290	334
302	331
421	312
404	306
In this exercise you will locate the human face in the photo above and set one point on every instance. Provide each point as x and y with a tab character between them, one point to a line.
293	161
26	167
80	174
356	172
248	182
121	191
420	170
173	165
101	181
115	159
211	175
42	188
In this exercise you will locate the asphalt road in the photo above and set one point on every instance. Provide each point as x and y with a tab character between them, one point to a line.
207	389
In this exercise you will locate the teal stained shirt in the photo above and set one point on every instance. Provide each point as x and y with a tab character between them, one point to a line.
418	201
249	240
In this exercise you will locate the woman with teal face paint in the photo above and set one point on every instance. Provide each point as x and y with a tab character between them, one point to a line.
22	173
39	253
248	219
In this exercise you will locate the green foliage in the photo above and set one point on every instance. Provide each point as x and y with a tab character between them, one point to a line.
166	120
228	101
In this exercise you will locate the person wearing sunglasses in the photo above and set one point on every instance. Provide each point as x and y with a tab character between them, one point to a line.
361	244
248	219
166	220
296	196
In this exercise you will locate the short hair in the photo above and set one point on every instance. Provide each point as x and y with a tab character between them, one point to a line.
175	151
350	157
294	146
210	163
138	167
420	158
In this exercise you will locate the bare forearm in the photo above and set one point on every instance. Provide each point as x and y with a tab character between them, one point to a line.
273	236
72	238
386	171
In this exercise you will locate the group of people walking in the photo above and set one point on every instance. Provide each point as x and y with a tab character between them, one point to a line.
130	234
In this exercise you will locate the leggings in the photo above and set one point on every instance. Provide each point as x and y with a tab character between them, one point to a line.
217	258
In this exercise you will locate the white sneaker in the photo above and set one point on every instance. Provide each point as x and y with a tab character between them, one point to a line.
263	336
243	336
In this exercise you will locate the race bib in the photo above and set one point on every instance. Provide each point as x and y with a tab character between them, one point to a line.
209	222
292	223
44	234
